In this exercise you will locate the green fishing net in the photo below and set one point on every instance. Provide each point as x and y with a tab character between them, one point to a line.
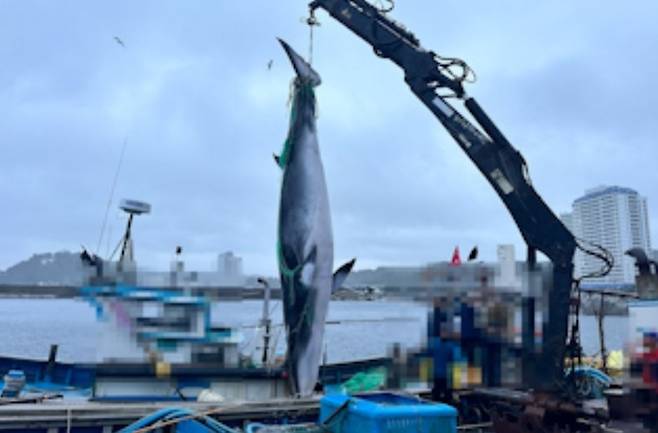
370	380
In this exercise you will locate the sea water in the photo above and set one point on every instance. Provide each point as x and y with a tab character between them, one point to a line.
355	329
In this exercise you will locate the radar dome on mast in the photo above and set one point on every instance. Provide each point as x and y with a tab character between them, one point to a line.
134	207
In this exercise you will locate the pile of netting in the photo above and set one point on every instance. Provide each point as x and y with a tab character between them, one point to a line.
370	380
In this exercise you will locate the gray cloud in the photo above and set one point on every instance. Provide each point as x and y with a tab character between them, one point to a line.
570	84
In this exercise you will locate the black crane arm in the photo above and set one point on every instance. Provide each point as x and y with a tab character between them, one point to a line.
502	165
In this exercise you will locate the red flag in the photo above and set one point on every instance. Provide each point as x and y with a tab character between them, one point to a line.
456	260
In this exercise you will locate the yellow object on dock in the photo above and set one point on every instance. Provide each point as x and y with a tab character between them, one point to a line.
615	362
162	369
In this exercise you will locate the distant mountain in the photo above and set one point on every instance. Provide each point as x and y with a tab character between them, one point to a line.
61	268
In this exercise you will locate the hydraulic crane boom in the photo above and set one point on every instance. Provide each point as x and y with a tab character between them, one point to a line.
502	165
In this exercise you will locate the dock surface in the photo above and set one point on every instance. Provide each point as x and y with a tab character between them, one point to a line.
74	415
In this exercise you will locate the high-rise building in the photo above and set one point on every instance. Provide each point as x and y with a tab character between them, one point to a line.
616	219
229	267
654	255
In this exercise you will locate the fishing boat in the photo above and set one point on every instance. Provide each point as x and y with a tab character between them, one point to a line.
163	343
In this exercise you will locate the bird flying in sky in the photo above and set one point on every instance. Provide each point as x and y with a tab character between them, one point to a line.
119	41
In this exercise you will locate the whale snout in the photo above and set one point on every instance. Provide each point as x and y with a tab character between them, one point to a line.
305	372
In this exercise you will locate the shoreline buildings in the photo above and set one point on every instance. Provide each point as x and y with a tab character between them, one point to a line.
229	268
505	274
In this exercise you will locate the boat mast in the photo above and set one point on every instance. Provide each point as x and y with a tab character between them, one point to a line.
266	322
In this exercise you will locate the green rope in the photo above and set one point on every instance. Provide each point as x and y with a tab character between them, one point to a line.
287	145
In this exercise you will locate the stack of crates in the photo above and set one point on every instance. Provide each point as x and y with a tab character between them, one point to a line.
385	412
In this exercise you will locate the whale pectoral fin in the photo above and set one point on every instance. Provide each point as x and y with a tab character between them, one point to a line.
306	275
341	274
311	257
308	267
276	159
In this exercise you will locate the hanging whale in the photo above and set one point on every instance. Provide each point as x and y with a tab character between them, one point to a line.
305	240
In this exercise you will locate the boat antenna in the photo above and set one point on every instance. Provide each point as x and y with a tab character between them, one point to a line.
111	197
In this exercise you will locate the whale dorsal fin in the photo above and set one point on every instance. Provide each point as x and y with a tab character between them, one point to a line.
341	274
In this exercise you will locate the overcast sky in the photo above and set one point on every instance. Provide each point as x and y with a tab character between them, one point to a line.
571	84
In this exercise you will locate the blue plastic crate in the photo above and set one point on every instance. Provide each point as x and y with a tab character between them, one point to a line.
386	412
